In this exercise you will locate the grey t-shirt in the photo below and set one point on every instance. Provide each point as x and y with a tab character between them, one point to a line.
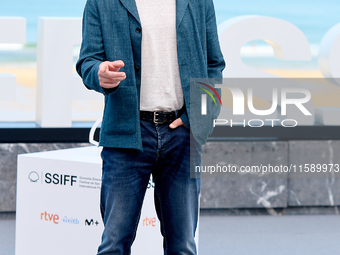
161	88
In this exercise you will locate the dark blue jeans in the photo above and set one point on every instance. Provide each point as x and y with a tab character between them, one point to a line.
126	172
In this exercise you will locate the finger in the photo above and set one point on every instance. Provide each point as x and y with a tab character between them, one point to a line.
105	80
116	65
113	75
103	67
109	85
119	63
108	80
176	123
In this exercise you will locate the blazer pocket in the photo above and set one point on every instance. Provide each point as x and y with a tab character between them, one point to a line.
120	112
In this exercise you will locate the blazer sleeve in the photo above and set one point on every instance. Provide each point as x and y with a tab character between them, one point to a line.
92	52
215	58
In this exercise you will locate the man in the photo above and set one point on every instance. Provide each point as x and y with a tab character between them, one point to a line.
141	55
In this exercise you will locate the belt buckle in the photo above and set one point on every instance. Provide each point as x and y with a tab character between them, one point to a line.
155	120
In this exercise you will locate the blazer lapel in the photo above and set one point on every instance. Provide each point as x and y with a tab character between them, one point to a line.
181	6
131	6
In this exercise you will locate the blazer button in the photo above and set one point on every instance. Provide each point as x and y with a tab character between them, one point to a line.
136	68
138	30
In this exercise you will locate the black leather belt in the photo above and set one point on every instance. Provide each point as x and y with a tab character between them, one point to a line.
161	117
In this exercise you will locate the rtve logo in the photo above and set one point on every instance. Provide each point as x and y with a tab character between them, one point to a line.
50	217
149	222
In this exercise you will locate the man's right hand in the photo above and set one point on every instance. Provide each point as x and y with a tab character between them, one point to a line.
109	75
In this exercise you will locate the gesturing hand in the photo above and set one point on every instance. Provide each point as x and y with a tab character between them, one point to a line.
109	75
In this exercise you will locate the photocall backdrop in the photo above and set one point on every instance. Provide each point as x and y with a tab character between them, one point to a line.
263	40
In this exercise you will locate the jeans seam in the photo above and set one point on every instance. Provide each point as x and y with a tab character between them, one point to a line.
162	222
166	139
159	143
135	230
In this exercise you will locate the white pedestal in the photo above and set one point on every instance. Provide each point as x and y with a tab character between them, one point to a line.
58	213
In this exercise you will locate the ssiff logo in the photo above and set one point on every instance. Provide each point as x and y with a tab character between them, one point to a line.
33	176
55	178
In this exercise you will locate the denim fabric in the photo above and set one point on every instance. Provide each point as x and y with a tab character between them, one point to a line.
126	172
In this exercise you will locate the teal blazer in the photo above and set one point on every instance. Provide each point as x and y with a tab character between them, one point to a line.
112	31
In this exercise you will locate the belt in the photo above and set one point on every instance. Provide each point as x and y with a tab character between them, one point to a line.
161	117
